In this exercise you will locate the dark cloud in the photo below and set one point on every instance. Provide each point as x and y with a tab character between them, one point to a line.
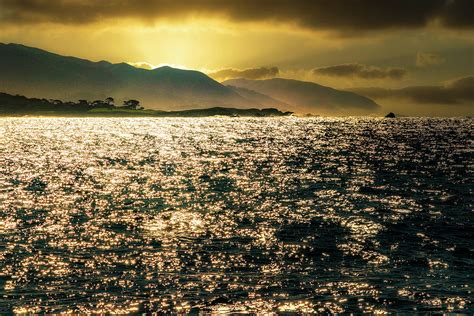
341	15
456	92
361	71
252	73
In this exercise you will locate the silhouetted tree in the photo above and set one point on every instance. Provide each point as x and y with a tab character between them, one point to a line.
83	104
56	102
110	102
132	104
98	104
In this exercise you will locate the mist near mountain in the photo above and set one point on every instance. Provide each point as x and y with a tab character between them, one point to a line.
308	96
260	98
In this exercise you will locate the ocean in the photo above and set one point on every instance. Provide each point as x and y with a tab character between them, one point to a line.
236	215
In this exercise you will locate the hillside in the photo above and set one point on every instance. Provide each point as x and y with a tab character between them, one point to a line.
260	98
308	96
34	72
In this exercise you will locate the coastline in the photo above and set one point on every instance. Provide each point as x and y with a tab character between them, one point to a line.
208	112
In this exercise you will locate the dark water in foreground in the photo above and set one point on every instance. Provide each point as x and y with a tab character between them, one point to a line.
236	215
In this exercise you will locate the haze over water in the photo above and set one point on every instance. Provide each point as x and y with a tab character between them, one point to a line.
236	215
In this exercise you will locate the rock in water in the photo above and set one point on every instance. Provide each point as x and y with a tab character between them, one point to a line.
390	115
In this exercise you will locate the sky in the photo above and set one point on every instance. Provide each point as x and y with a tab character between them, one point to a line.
395	48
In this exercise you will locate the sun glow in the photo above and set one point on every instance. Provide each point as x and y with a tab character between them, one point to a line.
149	66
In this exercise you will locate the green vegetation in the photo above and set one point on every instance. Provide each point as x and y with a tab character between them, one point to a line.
16	105
124	111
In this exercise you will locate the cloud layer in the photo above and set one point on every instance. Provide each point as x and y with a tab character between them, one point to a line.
455	92
314	14
428	59
251	73
361	71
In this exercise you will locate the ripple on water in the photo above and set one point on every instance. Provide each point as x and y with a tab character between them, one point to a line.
284	215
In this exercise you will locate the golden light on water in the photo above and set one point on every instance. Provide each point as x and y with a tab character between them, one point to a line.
223	215
183	157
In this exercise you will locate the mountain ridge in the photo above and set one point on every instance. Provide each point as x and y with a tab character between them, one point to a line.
32	71
36	72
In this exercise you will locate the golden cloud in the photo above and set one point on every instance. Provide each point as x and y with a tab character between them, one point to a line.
251	73
361	71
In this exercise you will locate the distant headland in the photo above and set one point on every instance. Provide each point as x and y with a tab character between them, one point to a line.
17	105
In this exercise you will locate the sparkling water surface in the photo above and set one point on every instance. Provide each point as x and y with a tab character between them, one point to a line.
270	215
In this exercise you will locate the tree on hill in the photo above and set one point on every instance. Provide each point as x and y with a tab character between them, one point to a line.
84	104
132	105
56	102
98	104
107	103
110	102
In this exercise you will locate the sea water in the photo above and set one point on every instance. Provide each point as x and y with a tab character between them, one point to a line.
250	215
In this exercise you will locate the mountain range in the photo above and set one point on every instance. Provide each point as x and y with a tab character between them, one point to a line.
34	72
